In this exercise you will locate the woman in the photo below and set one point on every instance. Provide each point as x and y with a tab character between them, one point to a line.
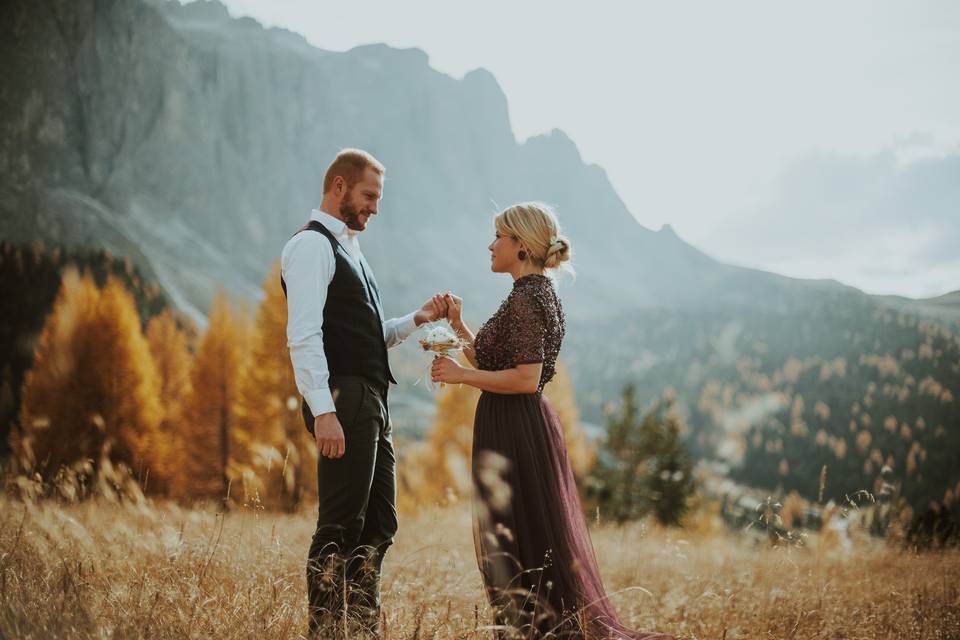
531	538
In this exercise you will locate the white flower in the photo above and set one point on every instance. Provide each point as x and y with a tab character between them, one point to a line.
439	338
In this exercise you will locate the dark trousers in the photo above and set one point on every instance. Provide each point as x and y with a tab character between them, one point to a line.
358	514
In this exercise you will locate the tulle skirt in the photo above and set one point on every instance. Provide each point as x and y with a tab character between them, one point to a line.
533	547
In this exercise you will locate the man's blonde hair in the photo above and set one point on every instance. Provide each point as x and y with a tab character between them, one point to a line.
350	165
536	226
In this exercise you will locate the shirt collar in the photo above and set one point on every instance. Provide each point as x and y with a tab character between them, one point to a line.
336	226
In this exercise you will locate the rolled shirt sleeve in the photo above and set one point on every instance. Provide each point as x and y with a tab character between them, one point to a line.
396	330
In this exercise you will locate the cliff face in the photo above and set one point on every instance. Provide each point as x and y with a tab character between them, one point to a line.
196	143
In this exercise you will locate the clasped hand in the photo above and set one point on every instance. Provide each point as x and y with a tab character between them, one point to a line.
432	310
326	427
441	305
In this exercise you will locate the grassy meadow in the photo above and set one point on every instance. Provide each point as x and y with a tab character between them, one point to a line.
139	569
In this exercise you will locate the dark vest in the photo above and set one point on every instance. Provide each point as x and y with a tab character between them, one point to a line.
352	317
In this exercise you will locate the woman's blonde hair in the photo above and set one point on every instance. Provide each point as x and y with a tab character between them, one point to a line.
536	227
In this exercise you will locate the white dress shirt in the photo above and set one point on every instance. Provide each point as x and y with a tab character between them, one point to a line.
308	264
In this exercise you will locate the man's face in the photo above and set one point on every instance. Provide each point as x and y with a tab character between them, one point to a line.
361	200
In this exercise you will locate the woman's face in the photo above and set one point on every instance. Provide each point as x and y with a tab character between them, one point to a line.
503	253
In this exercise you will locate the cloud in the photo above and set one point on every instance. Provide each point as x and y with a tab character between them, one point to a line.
887	222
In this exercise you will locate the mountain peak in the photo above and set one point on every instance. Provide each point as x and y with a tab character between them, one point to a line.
950	298
482	77
209	11
555	141
379	50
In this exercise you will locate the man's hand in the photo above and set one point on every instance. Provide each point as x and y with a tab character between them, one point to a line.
433	309
329	435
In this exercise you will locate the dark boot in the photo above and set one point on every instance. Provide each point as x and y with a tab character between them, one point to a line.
364	589
326	587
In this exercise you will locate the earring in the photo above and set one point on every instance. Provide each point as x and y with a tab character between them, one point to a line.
522	255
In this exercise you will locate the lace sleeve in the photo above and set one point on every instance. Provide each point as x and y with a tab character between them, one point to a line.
526	335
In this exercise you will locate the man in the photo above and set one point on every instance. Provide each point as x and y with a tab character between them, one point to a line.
338	344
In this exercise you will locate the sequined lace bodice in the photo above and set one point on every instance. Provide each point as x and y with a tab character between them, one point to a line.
527	328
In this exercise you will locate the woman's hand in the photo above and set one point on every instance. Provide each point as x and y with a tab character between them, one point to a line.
446	369
454	308
432	310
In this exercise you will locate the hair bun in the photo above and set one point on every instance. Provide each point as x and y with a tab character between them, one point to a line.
557	252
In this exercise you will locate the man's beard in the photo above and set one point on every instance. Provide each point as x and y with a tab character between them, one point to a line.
350	215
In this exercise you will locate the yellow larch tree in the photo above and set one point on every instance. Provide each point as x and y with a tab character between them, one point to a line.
170	347
93	390
210	410
276	455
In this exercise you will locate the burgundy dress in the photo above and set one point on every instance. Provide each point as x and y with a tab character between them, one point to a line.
531	538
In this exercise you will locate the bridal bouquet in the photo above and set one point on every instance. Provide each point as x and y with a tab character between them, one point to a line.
441	340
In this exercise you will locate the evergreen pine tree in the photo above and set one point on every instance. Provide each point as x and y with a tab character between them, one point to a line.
669	479
643	464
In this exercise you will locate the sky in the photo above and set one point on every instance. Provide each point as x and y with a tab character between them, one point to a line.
814	139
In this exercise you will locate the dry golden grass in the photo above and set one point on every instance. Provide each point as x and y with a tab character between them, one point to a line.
103	570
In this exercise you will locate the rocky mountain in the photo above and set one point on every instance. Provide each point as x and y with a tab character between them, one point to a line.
195	144
945	308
